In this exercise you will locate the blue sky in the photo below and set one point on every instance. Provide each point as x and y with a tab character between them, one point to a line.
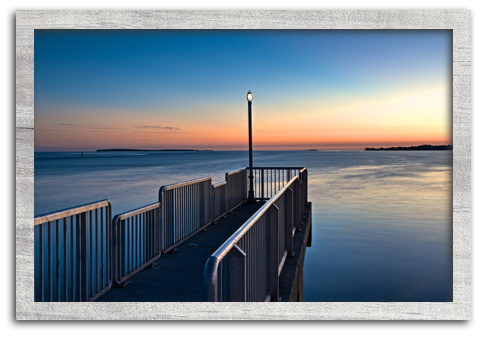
117	74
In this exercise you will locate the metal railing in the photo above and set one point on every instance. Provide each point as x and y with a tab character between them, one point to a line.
73	253
247	266
219	196
236	188
186	209
269	180
75	248
137	239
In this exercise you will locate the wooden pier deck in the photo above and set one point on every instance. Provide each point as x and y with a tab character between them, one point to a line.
178	276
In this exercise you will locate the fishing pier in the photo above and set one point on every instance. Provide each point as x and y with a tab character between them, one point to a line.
198	242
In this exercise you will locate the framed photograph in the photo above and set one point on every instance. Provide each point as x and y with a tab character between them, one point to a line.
200	165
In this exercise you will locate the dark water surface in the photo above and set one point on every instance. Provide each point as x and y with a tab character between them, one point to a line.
382	220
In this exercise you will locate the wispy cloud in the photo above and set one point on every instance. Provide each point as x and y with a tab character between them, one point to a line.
68	124
85	126
156	127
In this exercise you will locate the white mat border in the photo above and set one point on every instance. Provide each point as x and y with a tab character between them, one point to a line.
459	21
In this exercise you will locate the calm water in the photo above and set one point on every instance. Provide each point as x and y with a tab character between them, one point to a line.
382	221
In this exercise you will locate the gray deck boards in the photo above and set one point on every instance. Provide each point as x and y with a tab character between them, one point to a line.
178	277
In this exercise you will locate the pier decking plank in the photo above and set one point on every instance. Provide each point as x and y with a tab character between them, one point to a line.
178	277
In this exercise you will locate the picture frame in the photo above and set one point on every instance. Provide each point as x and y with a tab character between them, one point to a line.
459	21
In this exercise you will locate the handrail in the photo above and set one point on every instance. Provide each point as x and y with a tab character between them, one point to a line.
266	239
180	184
134	212
268	180
279	167
56	215
216	185
236	171
223	250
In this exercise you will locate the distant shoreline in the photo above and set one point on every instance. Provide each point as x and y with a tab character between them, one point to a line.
143	150
408	148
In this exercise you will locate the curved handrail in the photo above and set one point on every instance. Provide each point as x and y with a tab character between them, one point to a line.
211	267
221	252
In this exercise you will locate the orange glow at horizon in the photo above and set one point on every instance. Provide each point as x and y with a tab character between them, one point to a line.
403	117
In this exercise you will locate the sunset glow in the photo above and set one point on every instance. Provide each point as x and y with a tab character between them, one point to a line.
187	89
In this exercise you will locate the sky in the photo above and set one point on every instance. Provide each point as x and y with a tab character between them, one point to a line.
164	89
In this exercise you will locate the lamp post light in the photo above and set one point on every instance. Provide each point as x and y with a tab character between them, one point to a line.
251	196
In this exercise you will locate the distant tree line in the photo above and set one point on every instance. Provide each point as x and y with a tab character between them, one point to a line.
419	147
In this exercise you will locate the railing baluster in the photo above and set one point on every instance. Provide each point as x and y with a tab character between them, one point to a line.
41	270
72	260
65	258
78	257
101	250
90	213
57	257
138	243
97	257
50	274
108	230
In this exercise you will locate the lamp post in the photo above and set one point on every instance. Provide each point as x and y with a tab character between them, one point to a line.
251	196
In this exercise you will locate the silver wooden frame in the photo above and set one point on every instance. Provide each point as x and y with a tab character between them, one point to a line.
459	21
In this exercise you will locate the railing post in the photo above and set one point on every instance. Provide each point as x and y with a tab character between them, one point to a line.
296	220
49	259
273	252
41	264
289	221
210	279
159	230
237	277
81	257
301	207
213	204
263	184
305	190
225	199
123	230
210	193
115	250
227	194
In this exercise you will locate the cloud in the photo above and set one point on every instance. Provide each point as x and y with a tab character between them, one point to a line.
156	127
86	127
